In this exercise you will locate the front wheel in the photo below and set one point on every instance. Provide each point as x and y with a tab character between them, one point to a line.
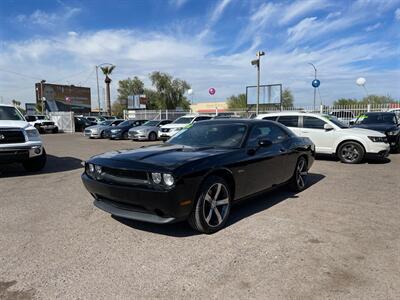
298	182
55	130
152	136
35	164
351	153
213	205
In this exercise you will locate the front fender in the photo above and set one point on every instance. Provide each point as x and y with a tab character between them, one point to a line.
363	141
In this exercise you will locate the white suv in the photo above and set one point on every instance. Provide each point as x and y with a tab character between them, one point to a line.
171	129
19	140
330	136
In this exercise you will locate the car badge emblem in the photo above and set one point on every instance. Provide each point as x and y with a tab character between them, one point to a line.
2	137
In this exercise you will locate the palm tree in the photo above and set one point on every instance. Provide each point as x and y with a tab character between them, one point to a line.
107	70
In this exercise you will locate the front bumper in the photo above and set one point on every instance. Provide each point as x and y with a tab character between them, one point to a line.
92	134
376	148
115	136
140	203
380	155
166	135
47	127
18	153
140	136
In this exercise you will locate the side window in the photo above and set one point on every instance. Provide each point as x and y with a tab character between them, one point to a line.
202	119
270	118
30	118
164	122
313	123
289	121
268	131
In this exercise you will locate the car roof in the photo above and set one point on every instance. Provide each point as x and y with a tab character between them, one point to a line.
379	113
290	113
234	121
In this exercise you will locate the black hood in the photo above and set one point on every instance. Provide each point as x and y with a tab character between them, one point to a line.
164	156
382	127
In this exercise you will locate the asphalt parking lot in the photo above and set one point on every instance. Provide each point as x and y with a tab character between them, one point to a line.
340	238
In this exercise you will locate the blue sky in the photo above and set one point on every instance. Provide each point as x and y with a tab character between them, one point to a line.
207	43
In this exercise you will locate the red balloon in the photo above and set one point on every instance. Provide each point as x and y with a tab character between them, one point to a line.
211	91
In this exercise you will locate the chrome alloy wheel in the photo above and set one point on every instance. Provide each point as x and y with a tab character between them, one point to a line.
301	173
350	153
216	204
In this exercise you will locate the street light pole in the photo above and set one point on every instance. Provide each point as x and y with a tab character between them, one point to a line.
256	62
41	94
315	77
98	89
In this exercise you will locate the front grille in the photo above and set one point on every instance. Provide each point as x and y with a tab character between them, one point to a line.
133	133
139	175
11	136
88	131
48	123
164	129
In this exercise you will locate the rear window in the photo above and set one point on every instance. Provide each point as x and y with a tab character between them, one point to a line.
289	121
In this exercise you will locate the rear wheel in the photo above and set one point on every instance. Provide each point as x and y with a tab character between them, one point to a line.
152	136
125	136
211	211
351	153
298	182
35	164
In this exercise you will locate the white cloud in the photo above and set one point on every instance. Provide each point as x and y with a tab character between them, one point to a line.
39	17
301	29
373	27
397	14
302	7
177	3
215	15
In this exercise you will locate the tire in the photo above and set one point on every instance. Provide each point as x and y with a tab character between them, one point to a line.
35	164
152	136
351	153
298	182
55	130
102	135
38	128
125	135
397	147
211	210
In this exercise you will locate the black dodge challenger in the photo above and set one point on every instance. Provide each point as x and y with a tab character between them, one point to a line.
199	173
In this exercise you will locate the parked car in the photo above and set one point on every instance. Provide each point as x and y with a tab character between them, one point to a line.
147	131
396	111
384	122
330	136
345	116
20	142
81	123
199	173
42	123
98	131
169	130
96	119
110	117
120	132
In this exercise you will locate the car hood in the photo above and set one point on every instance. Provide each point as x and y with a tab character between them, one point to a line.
169	126
377	127
164	156
144	128
97	127
362	131
13	124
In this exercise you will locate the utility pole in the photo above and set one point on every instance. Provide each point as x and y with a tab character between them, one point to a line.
41	94
256	62
315	78
98	89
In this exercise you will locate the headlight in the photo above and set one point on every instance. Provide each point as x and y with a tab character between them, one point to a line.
394	132
90	170
32	134
115	130
156	177
378	139
168	179
177	129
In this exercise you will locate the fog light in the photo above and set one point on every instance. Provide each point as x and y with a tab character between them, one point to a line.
37	151
168	179
156	177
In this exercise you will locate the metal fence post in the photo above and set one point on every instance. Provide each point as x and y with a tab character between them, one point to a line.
321	109
368	107
166	114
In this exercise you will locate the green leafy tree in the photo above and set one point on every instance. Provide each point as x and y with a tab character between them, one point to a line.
118	108
170	91
287	98
128	87
345	101
375	99
237	102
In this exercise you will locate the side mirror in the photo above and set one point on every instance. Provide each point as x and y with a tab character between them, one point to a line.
264	143
328	127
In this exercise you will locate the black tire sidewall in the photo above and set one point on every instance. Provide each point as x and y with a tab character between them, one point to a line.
152	134
294	185
37	163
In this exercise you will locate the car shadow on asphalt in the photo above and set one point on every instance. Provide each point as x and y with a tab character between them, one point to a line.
240	211
54	164
372	161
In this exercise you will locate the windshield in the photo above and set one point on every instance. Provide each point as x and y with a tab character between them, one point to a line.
183	120
388	118
10	113
125	123
210	135
336	121
106	123
151	123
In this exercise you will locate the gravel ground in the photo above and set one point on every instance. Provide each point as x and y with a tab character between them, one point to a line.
338	239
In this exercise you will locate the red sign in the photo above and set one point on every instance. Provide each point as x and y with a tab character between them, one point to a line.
211	91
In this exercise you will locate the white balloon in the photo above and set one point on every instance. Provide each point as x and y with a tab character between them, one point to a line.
190	91
361	81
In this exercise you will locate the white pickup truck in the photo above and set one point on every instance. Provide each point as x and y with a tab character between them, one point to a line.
20	141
